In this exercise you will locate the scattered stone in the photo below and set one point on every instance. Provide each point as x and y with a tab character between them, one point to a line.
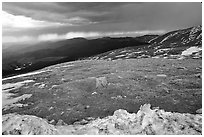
52	121
50	108
86	107
117	97
82	122
199	111
198	75
41	86
161	75
63	79
61	123
182	68
26	87
94	93
54	86
90	118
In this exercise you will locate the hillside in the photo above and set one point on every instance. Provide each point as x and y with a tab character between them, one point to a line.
85	90
30	58
111	93
185	43
25	58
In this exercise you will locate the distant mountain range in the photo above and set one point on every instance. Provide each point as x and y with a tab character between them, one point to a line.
179	44
176	44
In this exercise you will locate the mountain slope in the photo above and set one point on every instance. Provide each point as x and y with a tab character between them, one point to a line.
62	51
78	92
170	45
104	97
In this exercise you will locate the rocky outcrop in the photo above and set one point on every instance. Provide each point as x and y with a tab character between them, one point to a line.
26	125
146	121
101	82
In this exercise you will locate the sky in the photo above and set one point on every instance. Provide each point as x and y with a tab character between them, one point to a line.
45	21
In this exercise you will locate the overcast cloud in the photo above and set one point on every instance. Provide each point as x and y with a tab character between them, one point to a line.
24	22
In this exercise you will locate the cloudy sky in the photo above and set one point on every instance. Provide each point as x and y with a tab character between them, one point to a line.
35	22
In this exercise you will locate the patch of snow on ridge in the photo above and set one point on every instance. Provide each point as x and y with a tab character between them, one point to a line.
120	56
65	66
11	86
7	99
9	102
190	51
171	35
27	74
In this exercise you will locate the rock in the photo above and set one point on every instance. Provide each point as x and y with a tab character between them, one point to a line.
60	122
86	107
117	97
161	75
198	75
146	121
52	121
90	118
199	111
50	108
94	93
82	122
26	125
41	86
54	86
36	84
182	68
101	82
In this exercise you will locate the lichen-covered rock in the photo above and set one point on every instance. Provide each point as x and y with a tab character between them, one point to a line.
101	82
146	121
26	125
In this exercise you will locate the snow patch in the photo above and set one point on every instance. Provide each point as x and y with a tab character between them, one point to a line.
11	86
8	101
27	74
190	51
162	50
66	66
171	35
120	56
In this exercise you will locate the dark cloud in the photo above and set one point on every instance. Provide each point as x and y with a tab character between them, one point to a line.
147	14
94	11
107	17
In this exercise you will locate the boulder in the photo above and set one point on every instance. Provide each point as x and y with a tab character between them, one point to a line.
101	82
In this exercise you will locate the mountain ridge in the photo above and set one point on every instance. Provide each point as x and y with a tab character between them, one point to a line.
105	97
169	45
80	48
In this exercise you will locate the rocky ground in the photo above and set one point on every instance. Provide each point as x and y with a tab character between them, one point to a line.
146	122
82	91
